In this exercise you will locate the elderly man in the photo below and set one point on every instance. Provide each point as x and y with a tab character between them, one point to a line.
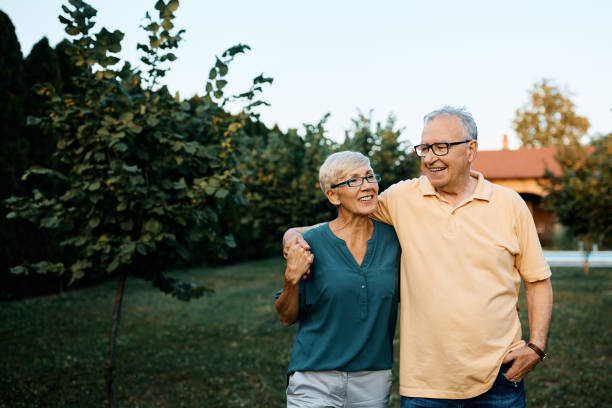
466	246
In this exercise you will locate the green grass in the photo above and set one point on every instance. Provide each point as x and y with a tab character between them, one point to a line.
229	350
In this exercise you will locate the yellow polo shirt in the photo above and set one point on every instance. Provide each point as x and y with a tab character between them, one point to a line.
461	270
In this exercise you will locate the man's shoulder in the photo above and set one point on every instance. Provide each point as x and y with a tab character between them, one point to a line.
505	198
315	233
403	187
503	192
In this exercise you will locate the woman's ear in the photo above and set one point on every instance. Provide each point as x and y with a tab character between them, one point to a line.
332	197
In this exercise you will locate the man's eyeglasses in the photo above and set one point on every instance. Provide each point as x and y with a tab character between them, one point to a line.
357	181
439	149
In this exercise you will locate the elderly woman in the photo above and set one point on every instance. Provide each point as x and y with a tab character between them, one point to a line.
347	304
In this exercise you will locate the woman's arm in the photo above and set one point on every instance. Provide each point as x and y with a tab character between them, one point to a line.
287	304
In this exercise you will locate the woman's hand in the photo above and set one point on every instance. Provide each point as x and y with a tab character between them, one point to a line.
298	263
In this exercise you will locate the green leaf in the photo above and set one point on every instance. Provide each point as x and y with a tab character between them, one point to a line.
33	121
261	79
94	222
221	193
153	226
113	265
212	74
221	83
131	169
152	121
236	49
127	225
122	147
49	222
230	241
153	27
173	5
71	30
126	117
167	24
221	67
209	87
20	270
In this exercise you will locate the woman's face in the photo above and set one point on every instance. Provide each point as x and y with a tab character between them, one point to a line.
361	200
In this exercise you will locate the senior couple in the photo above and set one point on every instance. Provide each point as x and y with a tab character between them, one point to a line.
461	245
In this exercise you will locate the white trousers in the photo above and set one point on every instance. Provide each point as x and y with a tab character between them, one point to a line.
339	389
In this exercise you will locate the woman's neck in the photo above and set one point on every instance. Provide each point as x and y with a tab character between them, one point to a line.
351	228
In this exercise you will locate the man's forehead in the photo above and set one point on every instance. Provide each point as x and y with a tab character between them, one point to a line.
443	129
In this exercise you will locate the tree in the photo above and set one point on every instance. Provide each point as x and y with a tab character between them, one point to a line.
13	147
389	156
68	69
581	197
549	119
143	175
41	66
13	151
282	172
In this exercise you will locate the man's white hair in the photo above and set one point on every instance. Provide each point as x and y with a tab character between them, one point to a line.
470	130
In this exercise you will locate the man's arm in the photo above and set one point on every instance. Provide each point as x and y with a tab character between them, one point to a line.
539	296
287	304
294	233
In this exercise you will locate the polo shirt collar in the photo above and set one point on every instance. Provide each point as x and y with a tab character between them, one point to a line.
482	192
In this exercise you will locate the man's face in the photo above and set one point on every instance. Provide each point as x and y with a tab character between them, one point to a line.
448	172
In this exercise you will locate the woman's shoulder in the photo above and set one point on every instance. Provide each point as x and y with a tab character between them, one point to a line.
386	233
385	229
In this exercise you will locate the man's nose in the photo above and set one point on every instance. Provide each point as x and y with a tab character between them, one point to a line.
429	157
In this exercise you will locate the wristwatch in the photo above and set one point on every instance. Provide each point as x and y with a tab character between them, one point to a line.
538	351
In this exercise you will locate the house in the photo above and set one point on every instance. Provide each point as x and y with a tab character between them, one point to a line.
522	171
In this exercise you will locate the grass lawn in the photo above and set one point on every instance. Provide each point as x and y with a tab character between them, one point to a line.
229	350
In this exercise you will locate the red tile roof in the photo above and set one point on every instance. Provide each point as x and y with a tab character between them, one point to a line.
516	164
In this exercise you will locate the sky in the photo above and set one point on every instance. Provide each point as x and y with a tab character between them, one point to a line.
404	58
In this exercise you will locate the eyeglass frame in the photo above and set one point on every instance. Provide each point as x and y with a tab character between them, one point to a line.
430	146
377	178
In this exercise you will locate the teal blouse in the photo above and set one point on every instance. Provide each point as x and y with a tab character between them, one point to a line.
347	311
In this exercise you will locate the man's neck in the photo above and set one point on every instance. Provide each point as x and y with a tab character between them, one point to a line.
456	194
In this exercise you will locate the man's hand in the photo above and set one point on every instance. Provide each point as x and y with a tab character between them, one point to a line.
292	236
523	360
298	263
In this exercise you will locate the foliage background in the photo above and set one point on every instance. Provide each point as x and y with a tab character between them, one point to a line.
122	176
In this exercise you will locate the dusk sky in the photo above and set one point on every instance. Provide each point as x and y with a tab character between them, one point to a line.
400	57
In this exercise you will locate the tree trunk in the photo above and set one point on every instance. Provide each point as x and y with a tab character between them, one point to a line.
585	265
110	362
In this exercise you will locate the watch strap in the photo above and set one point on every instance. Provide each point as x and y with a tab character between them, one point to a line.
538	351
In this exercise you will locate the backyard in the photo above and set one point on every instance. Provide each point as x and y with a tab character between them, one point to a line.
229	350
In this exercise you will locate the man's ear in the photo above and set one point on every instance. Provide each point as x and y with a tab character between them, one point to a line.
332	197
472	151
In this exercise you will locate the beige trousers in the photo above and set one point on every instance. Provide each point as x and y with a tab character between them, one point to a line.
339	389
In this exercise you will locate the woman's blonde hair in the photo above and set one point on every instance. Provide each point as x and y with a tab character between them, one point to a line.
338	165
